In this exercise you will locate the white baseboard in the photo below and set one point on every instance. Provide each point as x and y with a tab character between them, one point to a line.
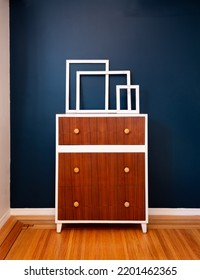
32	211
152	211
4	218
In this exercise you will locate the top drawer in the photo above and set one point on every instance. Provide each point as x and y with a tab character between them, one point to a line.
101	130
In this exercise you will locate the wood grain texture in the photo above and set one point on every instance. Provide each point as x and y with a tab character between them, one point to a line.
5	230
101	187
101	131
10	238
164	241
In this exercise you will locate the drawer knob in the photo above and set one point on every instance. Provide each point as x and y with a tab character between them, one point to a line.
76	170
126	170
126	131
127	204
76	204
76	131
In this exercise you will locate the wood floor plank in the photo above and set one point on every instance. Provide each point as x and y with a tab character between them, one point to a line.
87	244
10	239
174	222
5	230
38	240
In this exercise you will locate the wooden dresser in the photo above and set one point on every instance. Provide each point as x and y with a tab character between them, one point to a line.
101	169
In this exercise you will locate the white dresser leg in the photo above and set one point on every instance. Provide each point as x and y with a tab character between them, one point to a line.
58	228
144	228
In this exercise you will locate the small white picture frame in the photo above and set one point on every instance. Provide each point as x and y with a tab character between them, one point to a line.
129	107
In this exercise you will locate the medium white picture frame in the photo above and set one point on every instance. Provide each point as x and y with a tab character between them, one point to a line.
107	74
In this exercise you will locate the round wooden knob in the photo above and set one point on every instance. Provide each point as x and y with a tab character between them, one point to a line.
126	170
127	204
126	131
76	170
76	131
76	204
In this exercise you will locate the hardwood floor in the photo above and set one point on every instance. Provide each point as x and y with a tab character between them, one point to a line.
35	238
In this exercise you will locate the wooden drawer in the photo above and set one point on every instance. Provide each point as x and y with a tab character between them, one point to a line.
101	130
103	186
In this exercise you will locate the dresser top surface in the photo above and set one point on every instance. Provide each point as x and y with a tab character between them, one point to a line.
100	115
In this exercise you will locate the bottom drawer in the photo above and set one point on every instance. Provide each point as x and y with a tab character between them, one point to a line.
101	186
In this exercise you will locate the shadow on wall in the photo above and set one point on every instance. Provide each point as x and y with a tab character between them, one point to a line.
155	8
160	165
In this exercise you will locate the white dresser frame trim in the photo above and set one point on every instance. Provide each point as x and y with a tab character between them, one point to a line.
107	149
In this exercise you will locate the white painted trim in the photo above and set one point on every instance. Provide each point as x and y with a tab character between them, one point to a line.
101	149
94	113
4	218
99	111
152	211
175	211
32	211
146	171
102	221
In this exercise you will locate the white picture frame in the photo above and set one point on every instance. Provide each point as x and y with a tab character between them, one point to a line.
85	61
129	108
107	74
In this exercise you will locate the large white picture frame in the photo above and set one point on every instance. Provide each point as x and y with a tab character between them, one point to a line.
85	61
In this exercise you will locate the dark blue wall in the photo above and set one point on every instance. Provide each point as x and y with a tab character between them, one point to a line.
159	41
